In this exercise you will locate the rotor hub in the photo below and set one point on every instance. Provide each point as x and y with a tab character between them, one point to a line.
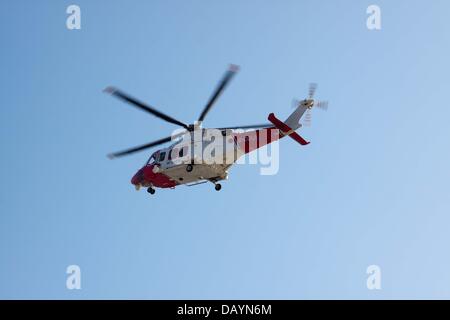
309	103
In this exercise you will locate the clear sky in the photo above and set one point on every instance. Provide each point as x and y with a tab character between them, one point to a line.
372	188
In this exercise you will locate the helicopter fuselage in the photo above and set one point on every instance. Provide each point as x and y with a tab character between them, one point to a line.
204	155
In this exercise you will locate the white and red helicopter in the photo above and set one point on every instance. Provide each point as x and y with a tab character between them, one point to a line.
185	161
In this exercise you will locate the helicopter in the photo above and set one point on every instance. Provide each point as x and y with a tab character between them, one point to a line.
199	155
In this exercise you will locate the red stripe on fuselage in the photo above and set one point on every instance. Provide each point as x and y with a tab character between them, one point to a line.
252	140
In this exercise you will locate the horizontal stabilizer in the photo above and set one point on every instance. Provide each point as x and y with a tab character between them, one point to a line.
286	130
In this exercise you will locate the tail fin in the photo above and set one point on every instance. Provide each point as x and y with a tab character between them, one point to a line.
293	121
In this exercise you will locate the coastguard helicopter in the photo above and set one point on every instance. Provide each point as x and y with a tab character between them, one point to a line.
186	162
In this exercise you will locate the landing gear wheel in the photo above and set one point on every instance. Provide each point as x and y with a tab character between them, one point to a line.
189	168
151	190
218	186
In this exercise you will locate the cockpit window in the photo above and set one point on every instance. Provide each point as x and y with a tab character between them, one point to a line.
151	160
162	156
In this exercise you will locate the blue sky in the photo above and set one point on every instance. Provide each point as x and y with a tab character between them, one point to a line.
371	188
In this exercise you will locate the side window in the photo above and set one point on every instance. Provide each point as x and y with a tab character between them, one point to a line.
162	156
183	151
170	155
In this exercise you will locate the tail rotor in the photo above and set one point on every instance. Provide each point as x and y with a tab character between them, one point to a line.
312	90
309	103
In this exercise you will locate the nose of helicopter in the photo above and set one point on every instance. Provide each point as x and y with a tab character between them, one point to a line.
137	178
143	176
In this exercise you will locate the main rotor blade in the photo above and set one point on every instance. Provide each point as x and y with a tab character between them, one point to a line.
125	97
222	85
138	148
255	126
